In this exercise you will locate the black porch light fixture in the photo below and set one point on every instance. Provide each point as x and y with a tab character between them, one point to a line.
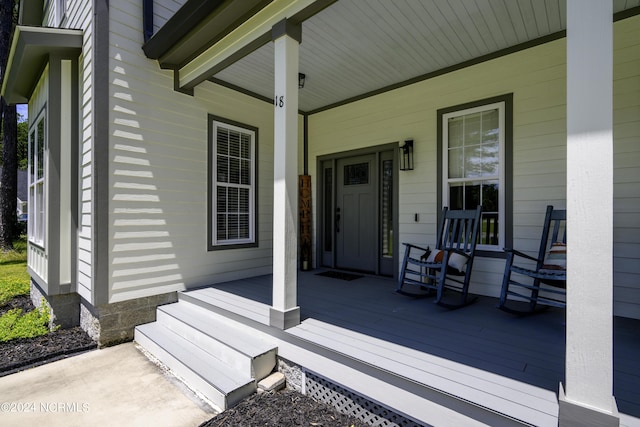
406	156
301	78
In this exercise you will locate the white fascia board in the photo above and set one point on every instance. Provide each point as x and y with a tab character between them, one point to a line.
254	29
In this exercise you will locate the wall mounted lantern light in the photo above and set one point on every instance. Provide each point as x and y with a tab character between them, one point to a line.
406	155
301	78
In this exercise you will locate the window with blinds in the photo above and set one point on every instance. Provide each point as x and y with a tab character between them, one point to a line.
233	184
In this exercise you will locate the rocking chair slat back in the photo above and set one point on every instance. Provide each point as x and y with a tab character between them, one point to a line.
457	237
544	285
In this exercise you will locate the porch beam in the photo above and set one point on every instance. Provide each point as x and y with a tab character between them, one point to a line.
284	311
248	36
587	395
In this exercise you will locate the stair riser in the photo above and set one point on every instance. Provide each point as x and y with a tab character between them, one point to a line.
192	379
229	356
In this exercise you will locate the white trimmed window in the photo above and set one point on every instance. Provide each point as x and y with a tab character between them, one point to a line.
37	173
473	166
233	186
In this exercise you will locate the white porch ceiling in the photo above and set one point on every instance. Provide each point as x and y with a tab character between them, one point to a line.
355	47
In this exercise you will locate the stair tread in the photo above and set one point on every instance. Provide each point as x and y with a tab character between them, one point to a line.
212	370
219	299
221	329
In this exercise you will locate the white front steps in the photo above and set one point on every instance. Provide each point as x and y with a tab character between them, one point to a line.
218	357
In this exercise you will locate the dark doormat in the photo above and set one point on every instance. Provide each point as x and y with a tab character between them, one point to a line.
339	275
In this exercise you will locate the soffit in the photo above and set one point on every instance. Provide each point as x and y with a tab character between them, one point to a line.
30	51
356	47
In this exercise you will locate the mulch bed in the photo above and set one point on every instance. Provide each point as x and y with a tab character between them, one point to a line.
283	409
22	302
19	354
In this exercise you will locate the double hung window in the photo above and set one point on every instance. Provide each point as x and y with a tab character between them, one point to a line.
37	174
474	164
233	186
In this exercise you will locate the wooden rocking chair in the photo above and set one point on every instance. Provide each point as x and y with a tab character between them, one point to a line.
449	265
546	280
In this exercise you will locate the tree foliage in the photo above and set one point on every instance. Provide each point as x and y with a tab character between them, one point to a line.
23	142
9	178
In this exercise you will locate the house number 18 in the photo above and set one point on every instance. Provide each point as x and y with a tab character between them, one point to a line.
278	101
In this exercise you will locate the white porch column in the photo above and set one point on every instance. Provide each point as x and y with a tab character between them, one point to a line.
284	311
587	396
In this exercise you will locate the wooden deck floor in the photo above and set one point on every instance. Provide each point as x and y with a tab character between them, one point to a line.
530	350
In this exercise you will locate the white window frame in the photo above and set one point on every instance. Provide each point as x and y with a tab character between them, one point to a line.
218	242
446	181
37	184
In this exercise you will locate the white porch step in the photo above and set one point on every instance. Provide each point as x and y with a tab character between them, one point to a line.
197	368
217	357
228	341
228	304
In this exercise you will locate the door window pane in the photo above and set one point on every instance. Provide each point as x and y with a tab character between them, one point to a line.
387	208
328	209
356	174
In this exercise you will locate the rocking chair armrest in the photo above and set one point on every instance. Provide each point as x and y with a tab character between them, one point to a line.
521	254
411	245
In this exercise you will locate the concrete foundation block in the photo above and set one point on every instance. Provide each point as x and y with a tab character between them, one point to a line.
273	382
64	308
111	324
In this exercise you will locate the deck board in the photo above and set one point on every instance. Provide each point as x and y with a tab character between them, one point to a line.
529	350
458	379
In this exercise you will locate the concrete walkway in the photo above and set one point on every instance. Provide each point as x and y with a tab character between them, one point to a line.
113	386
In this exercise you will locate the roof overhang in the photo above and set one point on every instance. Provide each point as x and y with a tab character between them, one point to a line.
204	37
30	51
196	26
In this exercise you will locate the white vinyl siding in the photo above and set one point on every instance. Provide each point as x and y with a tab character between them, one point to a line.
78	15
158	174
163	10
61	10
626	163
233	185
473	166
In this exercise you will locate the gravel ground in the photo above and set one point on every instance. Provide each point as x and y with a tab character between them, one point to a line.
274	409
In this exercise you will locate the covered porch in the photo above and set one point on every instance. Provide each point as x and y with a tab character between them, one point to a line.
477	369
429	363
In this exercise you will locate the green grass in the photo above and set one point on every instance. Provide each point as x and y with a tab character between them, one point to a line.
14	324
14	281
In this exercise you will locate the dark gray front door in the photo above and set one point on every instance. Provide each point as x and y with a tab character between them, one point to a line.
356	213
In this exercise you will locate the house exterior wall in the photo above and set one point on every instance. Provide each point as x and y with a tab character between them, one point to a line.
626	172
158	178
537	79
78	15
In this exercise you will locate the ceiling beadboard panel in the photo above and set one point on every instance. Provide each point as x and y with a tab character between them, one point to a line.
355	47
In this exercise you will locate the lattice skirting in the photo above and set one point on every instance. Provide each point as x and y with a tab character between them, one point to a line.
350	403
